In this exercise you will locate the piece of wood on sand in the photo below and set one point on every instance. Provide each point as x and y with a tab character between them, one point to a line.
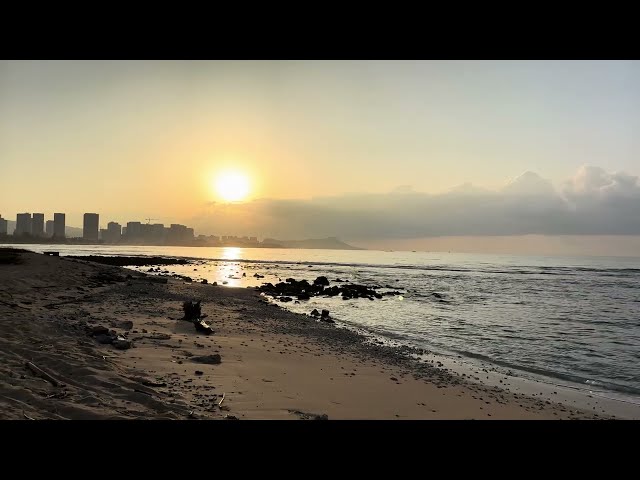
41	373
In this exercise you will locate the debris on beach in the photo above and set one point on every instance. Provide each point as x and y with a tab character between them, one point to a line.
121	343
42	374
193	313
214	359
192	310
203	327
104	336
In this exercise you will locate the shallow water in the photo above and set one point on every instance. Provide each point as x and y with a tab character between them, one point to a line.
571	318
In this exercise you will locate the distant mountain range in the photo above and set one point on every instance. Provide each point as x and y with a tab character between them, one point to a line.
329	243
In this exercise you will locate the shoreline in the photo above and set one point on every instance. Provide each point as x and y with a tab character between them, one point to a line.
275	363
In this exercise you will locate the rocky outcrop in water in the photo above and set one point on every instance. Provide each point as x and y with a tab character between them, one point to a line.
303	290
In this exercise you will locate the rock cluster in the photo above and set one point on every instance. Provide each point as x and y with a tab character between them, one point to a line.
303	290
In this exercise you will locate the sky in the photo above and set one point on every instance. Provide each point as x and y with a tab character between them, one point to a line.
382	153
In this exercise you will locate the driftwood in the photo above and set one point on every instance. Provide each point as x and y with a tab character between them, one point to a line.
220	403
41	373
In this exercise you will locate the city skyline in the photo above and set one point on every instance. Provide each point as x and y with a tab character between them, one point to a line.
91	232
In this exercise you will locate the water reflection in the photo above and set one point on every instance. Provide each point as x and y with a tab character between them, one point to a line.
232	253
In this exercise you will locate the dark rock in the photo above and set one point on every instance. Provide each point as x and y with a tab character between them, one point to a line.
208	359
98	330
315	313
321	281
199	372
285	299
230	417
104	339
324	416
325	313
122	343
338	280
304	296
205	281
437	295
244	274
215	283
126	325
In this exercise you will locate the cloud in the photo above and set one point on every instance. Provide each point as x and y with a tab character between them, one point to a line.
595	184
592	202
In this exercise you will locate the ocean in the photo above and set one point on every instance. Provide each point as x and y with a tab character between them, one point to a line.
569	319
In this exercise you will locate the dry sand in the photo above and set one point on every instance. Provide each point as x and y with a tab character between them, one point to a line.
274	364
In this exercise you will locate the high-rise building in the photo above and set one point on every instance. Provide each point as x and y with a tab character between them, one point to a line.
58	225
90	227
3	226
113	234
37	225
134	231
48	229
179	234
23	224
157	233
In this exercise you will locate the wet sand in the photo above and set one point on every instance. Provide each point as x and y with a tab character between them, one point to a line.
274	364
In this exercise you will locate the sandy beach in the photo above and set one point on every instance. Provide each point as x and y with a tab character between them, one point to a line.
272	364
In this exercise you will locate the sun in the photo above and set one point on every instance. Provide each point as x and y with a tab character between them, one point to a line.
232	186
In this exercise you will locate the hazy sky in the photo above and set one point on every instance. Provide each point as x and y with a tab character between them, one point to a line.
136	139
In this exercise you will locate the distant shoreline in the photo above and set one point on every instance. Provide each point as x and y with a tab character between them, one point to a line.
299	244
